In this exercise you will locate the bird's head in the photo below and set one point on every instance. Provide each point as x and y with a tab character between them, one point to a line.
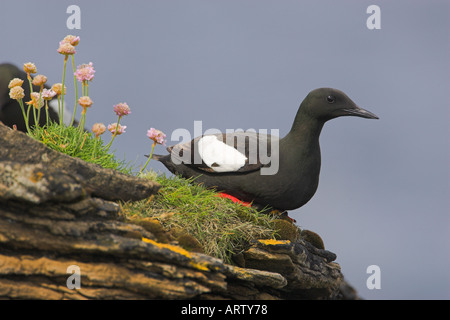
326	103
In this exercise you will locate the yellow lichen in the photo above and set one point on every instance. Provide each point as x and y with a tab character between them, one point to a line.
269	242
177	249
171	247
199	266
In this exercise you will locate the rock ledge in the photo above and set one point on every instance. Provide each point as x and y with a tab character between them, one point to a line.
57	212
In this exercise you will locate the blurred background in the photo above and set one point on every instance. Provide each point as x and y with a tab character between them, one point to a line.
383	197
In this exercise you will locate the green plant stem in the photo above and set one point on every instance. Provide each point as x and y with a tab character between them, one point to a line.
34	116
31	85
82	120
28	117
61	107
76	92
114	135
25	118
39	107
59	103
46	111
95	147
31	91
149	157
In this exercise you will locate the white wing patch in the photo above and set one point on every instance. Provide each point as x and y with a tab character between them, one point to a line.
219	156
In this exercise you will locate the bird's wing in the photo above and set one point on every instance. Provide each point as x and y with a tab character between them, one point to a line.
224	153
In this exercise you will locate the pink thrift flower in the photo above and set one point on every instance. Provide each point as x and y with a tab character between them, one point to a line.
85	102
29	67
16	93
122	109
48	94
98	129
85	72
57	87
36	100
39	80
66	48
73	40
16	82
112	128
156	135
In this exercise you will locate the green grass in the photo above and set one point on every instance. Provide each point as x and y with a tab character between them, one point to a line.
71	141
222	227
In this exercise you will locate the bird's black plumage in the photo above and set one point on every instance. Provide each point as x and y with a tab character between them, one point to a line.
299	159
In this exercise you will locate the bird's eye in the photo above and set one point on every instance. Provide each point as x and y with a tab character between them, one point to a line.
331	99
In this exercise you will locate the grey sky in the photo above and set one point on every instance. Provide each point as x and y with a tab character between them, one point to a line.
383	196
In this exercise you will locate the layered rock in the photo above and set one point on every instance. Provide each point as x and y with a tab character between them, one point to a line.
57	212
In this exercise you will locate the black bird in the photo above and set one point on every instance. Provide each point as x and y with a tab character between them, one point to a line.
286	177
10	112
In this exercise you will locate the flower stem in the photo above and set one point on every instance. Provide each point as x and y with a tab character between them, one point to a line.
95	147
82	120
61	107
25	118
46	111
29	106
34	116
59	103
114	135
76	92
39	107
148	160
31	85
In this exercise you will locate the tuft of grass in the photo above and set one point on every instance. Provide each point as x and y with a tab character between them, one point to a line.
222	227
79	144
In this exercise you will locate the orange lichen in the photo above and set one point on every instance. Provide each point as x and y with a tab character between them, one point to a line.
36	176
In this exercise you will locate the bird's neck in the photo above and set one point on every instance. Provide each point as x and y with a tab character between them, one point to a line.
301	145
305	130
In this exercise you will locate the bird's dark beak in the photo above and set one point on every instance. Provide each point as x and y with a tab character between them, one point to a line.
359	112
